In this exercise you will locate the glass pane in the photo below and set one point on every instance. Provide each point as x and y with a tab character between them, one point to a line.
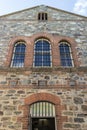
69	62
42	53
45	63
20	48
61	49
46	57
38	46
65	55
46	46
38	63
63	62
38	60
18	55
67	49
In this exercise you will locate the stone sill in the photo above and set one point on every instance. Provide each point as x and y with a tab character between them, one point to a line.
50	69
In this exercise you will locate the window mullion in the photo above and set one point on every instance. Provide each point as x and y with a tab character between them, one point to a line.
50	55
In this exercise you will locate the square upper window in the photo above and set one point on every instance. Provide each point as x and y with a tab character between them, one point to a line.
42	16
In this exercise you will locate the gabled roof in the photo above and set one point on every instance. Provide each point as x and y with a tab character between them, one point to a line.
53	8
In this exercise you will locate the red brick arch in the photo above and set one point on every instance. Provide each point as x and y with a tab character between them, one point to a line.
43	35
43	96
30	41
11	47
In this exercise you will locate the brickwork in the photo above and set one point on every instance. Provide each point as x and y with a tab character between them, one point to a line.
60	23
50	98
68	91
71	112
66	88
30	42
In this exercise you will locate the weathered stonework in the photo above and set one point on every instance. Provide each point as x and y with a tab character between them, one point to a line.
66	88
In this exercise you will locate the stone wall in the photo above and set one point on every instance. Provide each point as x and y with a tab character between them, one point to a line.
71	89
63	78
59	22
74	100
65	87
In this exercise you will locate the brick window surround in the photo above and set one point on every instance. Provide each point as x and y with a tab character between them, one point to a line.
29	53
42	97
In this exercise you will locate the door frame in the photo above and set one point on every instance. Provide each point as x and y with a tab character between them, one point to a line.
42	96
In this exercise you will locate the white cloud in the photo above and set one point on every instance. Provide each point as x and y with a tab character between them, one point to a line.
80	7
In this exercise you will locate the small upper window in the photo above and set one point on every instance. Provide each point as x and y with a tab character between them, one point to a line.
18	54
65	54
42	16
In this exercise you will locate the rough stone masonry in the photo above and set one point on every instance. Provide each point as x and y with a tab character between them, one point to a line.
64	87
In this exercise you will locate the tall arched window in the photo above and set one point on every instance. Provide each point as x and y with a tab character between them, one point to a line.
42	53
65	54
18	54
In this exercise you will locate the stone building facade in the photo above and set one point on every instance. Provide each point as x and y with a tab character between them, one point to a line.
35	95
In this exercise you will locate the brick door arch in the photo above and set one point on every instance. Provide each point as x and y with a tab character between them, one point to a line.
42	97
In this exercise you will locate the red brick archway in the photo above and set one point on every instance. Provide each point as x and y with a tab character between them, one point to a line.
42	97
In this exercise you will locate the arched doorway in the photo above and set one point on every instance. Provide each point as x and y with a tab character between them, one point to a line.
44	97
42	116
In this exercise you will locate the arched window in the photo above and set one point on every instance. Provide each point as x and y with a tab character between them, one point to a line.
65	54
18	54
42	53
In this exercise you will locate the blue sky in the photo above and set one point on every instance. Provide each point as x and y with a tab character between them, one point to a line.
74	6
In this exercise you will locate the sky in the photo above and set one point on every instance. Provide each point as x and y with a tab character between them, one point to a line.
74	6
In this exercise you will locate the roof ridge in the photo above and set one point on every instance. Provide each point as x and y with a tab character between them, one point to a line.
39	6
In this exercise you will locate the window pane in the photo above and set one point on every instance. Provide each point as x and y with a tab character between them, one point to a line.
42	53
67	49
46	63
46	57
38	60
46	46
38	46
69	63
65	54
18	55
